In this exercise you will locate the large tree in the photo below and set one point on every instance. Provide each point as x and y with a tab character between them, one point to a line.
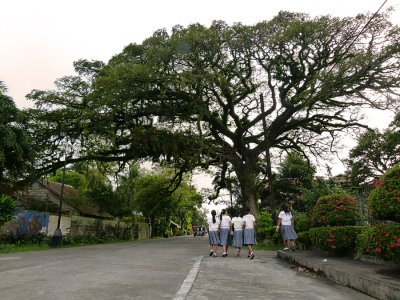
229	95
16	150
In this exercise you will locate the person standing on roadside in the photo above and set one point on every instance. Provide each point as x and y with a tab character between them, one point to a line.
237	228
225	231
249	233
213	238
286	225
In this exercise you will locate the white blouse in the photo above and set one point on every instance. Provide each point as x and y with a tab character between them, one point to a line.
249	220
238	223
225	222
285	217
213	226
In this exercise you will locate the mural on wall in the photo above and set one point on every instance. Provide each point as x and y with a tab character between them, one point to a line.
32	222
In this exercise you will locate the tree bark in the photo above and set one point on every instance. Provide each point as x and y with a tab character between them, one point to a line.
247	176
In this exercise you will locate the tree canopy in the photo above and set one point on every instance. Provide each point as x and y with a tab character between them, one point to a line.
375	153
226	96
16	150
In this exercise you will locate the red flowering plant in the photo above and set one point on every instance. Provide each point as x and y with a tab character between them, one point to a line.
384	199
381	240
335	240
335	209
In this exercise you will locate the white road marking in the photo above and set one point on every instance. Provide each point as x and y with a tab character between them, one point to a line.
188	282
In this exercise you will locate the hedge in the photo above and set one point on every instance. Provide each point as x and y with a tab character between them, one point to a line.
335	240
384	199
381	240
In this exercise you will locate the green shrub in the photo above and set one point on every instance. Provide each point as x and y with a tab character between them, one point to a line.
336	240
264	223
7	208
384	200
302	222
334	210
381	240
303	238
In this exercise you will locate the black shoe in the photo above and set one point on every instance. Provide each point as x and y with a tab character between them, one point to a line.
225	254
211	253
251	255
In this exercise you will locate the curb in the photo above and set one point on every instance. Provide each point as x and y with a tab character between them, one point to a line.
356	280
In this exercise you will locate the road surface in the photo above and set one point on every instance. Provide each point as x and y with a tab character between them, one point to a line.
172	268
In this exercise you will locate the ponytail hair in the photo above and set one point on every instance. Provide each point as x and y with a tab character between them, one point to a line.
213	213
223	211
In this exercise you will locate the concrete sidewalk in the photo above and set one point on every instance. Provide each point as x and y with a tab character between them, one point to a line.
378	280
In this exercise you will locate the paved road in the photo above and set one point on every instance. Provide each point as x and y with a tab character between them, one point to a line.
174	268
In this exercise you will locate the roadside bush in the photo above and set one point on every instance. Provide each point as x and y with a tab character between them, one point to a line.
25	240
302	222
334	210
303	239
381	240
7	208
384	199
264	223
335	240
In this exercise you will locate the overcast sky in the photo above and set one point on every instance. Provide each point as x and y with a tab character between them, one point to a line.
40	39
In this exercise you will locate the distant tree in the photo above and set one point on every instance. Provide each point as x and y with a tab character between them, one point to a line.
295	175
153	199
77	180
320	187
375	153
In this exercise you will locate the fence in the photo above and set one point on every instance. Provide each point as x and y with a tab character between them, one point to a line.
33	222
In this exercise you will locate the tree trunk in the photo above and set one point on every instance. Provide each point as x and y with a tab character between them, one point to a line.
272	198
247	177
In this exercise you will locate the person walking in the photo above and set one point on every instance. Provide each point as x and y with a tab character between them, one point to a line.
225	231
249	234
286	225
213	238
237	228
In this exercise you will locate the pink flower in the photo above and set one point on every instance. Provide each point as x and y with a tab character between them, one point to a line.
378	250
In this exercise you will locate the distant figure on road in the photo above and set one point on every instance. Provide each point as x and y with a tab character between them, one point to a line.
249	234
286	225
237	228
225	231
213	238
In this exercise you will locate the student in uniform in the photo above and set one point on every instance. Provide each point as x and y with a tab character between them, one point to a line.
249	234
286	224
213	238
225	231
237	228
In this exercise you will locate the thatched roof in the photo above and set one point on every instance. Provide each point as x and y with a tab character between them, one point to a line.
71	192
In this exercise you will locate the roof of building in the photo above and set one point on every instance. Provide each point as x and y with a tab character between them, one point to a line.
70	192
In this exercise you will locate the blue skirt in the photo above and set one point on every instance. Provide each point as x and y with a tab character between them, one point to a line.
224	236
213	237
249	236
238	238
288	233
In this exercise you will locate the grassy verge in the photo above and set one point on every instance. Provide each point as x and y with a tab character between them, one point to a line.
82	242
268	246
9	248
